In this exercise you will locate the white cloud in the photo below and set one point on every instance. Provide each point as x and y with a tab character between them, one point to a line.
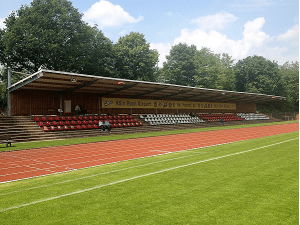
253	37
216	21
163	49
2	24
254	42
291	35
106	14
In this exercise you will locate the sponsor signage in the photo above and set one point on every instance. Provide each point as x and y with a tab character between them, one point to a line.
162	104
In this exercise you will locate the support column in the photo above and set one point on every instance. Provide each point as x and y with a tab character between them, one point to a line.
8	92
60	104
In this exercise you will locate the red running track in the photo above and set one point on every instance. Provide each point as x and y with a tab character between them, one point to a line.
17	165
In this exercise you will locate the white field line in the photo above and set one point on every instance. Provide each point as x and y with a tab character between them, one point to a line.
140	176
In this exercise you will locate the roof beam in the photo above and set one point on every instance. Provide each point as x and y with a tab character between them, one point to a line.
80	86
173	94
149	92
118	90
24	82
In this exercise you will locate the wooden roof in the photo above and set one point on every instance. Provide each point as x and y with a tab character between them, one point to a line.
64	82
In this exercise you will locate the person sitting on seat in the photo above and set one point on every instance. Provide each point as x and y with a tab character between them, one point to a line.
77	110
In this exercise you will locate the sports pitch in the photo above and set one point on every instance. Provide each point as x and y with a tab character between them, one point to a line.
247	182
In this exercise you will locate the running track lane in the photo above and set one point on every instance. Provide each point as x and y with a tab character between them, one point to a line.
17	165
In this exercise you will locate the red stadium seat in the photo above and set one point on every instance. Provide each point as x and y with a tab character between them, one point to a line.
41	124
91	117
74	118
50	118
67	122
47	123
80	118
61	123
91	122
79	122
89	126
96	117
62	118
74	122
84	127
36	119
72	127
60	128
85	118
56	118
43	118
46	129
78	127
53	128
54	123
85	122
95	126
66	127
69	118
96	121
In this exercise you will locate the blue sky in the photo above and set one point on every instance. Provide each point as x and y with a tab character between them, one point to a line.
269	28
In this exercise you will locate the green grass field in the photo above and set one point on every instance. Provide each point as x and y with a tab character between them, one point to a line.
248	182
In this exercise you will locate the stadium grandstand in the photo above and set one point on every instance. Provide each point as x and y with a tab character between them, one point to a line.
82	105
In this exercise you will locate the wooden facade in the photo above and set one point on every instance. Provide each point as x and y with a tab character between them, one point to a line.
44	102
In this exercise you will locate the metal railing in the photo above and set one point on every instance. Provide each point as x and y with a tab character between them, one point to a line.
285	116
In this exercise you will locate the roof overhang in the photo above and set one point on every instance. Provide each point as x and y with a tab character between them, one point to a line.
64	82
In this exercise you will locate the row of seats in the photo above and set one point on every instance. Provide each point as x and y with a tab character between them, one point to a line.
90	126
218	117
71	127
90	117
166	119
253	116
83	122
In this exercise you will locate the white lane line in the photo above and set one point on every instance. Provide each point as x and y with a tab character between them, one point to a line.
140	176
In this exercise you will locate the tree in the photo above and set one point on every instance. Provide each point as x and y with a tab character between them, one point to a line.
180	67
209	70
226	79
289	73
134	58
258	75
51	34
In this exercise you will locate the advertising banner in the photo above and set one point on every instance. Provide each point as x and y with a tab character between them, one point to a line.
162	104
